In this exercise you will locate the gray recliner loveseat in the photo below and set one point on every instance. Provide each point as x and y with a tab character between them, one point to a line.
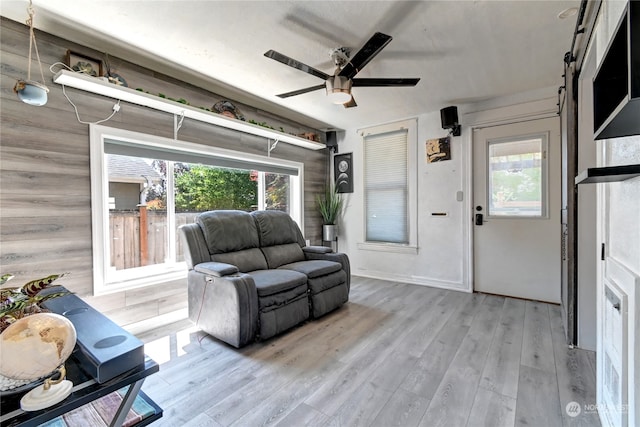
252	277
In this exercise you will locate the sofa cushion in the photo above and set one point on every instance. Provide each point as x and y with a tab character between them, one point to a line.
314	268
282	254
277	228
228	231
246	260
269	282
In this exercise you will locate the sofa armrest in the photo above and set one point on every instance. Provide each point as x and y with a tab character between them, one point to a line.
196	250
317	249
225	307
217	269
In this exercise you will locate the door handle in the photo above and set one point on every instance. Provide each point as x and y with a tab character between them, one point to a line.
479	219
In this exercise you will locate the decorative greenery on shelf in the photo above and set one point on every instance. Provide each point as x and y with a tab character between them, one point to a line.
329	205
185	102
19	302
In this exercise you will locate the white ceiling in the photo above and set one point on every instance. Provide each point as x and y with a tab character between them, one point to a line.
463	51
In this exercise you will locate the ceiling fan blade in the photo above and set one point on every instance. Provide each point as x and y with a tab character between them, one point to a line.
301	91
366	54
295	64
350	103
385	82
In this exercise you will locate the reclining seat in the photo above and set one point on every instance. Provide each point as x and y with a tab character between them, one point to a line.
284	248
232	293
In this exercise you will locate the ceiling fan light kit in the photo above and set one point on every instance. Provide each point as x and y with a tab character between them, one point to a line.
339	89
339	84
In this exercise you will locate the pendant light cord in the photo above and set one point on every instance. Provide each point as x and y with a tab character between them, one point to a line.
32	42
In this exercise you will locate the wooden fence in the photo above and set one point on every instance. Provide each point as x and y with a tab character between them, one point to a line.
125	239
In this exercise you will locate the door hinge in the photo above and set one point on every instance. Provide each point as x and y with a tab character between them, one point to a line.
602	251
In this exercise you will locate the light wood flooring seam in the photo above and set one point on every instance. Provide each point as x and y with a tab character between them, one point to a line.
394	355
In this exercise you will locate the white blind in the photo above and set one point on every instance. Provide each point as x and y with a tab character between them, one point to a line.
386	187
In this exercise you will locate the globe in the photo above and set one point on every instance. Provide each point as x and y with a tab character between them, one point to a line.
35	346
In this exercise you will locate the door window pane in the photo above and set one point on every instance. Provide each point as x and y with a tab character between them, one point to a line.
517	177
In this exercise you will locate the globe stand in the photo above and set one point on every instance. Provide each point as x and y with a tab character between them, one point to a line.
47	394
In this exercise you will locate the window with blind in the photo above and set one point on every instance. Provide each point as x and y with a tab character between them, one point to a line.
144	187
389	184
386	187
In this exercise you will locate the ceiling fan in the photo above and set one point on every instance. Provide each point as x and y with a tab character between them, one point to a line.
339	84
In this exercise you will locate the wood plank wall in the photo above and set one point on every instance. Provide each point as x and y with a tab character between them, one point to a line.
45	200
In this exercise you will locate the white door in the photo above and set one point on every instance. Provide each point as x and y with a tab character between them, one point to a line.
516	201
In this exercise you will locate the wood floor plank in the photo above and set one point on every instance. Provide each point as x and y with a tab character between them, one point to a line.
492	409
403	409
576	381
455	395
501	371
396	354
360	409
537	348
538	403
303	416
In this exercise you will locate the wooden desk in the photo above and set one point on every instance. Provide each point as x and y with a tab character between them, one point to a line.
85	390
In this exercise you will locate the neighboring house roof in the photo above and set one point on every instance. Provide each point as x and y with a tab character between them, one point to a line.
131	169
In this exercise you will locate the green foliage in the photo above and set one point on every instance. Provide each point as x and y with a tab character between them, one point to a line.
276	192
202	188
330	205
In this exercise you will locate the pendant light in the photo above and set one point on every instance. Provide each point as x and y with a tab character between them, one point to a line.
29	91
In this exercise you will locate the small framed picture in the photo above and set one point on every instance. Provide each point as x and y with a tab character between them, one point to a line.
343	172
84	64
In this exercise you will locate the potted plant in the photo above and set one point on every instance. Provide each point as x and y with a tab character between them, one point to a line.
330	207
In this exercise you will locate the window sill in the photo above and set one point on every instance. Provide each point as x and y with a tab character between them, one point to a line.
388	247
128	282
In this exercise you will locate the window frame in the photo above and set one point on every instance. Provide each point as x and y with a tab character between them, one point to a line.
104	281
411	126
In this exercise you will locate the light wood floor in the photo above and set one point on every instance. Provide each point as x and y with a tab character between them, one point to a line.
395	355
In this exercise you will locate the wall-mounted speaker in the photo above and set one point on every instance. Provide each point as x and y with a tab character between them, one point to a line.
449	119
332	141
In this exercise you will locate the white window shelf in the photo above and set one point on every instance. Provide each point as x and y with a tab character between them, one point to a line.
101	87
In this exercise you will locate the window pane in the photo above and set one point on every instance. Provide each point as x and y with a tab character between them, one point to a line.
516	178
200	188
137	226
277	191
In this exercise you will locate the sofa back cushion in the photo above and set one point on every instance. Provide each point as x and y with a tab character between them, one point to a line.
232	237
280	238
246	260
277	228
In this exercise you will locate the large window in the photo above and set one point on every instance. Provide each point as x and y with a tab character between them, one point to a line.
389	185
144	187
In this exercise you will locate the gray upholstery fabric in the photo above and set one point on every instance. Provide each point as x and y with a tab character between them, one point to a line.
195	247
317	249
277	228
228	231
269	282
237	293
246	260
226	308
274	322
282	254
217	269
314	268
328	300
322	283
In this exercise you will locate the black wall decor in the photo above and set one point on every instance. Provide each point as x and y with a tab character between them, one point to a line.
343	172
